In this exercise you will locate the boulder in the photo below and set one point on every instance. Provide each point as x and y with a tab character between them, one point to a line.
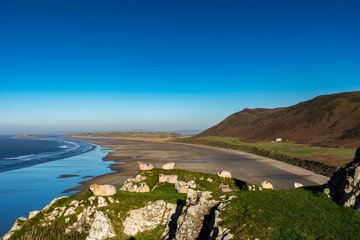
148	217
190	223
344	186
101	227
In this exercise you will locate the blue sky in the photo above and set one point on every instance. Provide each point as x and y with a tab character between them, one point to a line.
113	65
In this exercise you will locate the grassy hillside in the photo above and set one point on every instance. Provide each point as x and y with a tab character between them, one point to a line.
304	213
330	120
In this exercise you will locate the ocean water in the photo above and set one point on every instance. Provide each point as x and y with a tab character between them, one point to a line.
18	153
32	180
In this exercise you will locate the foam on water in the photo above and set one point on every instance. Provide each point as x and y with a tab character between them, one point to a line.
66	149
20	157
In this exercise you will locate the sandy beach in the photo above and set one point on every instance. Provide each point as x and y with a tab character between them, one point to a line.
244	166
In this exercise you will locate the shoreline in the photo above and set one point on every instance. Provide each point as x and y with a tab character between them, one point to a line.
46	158
40	183
125	154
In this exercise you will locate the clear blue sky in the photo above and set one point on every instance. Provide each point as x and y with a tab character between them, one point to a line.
112	65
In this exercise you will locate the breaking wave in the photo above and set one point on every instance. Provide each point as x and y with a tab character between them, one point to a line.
66	149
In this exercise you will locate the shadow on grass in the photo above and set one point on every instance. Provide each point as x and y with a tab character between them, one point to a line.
314	189
240	184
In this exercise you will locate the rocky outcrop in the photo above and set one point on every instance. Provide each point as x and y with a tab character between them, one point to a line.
148	217
15	227
101	217
101	227
344	184
81	216
194	219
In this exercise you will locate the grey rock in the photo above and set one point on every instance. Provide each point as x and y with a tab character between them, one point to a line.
33	214
148	217
101	227
101	202
15	227
52	202
190	224
343	185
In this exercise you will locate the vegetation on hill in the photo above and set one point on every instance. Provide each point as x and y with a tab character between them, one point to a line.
304	213
128	135
327	120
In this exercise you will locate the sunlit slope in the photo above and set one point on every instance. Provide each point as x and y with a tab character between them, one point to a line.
328	119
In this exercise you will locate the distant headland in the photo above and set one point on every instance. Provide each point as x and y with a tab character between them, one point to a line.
29	136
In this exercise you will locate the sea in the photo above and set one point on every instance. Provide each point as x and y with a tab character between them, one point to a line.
32	172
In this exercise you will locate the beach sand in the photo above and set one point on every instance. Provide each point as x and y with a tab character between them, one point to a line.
244	166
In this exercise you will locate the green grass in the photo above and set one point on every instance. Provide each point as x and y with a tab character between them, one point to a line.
304	213
287	147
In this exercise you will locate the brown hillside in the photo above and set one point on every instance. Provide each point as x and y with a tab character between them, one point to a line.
328	120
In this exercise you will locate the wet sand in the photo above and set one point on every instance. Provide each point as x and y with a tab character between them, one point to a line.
68	175
244	166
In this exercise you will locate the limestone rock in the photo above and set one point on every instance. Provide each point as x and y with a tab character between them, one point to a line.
189	225
70	211
15	227
101	227
101	202
33	214
148	217
52	202
344	186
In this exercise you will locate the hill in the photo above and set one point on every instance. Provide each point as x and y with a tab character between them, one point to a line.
203	213
327	120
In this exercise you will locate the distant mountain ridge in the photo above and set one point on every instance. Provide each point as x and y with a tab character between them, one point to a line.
327	120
